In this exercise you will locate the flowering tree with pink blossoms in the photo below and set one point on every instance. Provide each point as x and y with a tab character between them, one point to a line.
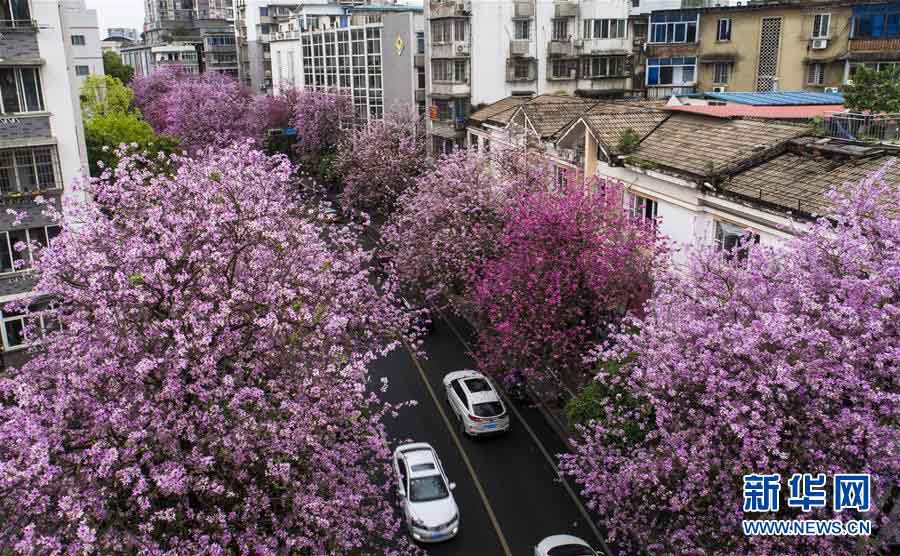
449	221
151	94
785	361
378	162
569	263
206	391
320	119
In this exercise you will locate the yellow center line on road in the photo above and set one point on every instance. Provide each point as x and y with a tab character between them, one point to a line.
462	451
581	509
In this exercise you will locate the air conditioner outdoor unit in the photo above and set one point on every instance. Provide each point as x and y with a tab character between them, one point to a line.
834	90
720	89
819	44
462	49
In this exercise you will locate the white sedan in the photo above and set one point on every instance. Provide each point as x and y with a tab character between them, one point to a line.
429	508
476	403
563	545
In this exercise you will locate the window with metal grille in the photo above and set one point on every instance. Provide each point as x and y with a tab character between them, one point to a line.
15	13
815	74
820	26
563	69
603	66
560	31
723	29
522	29
721	72
78	40
769	46
27	170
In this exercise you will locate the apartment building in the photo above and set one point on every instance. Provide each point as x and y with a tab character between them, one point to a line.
524	47
198	34
84	37
874	37
374	54
41	137
255	23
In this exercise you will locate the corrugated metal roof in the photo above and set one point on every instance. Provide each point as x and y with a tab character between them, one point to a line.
779	98
803	112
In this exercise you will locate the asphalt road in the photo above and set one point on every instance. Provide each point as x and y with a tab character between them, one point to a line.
523	492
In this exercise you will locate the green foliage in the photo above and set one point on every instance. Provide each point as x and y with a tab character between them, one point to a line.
628	141
104	94
608	399
875	91
105	132
817	126
113	67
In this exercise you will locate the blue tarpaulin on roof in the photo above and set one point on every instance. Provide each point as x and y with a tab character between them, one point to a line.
779	98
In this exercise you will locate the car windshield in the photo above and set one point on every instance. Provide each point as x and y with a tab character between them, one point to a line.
478	385
425	489
571	550
487	409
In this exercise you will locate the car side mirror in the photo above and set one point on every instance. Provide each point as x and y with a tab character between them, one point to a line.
452	486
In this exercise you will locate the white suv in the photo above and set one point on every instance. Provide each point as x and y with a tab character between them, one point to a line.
477	404
429	508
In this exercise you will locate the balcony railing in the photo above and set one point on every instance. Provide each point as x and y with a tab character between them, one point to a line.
868	128
18	24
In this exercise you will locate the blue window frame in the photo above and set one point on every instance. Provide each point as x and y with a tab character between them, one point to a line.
876	21
671	71
679	27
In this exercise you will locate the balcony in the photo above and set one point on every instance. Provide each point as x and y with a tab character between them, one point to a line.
866	128
565	9
521	70
523	9
448	129
875	45
665	91
519	48
560	48
453	49
459	8
450	89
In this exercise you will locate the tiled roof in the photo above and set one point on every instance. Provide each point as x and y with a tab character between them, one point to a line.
779	98
499	111
608	127
803	112
700	145
550	114
797	180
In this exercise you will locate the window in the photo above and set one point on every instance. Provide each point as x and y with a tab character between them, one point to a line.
20	90
603	66
460	29
733	240
448	70
721	71
264	11
441	31
14	324
563	69
820	26
723	30
641	208
78	40
605	28
561	177
420	78
220	40
420	42
14	13
560	30
82	71
673	28
27	170
522	70
12	260
876	21
457	387
815	74
671	71
522	29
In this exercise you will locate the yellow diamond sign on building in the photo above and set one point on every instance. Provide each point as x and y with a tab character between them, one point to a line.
399	44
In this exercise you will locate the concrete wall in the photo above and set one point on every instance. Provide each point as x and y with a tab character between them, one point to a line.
398	76
81	21
796	31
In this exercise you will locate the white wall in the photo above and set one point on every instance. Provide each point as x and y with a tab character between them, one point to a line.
80	21
61	89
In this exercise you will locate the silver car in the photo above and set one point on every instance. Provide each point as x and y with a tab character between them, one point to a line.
429	508
476	403
563	545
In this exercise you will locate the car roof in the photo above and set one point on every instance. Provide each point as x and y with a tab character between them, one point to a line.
560	540
425	459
